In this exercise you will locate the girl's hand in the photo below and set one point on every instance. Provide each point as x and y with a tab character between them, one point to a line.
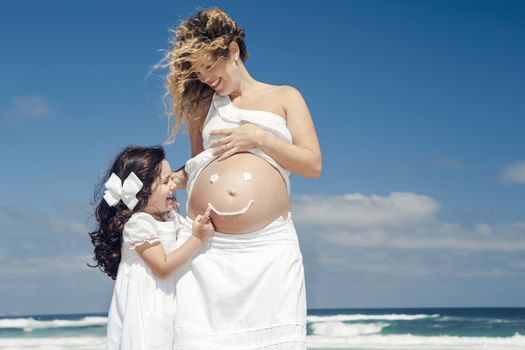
202	226
236	140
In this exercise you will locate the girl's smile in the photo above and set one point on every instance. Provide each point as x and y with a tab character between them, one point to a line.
162	198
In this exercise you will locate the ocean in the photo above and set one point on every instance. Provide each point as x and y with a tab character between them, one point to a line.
351	329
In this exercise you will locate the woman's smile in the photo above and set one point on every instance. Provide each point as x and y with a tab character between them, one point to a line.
215	83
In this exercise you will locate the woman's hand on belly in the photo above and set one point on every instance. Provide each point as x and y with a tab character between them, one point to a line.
236	140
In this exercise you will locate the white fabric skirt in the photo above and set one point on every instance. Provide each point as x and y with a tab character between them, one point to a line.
243	291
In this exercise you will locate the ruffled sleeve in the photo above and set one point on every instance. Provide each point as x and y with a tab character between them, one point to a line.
139	229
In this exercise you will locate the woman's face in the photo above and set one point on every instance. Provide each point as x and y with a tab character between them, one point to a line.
223	77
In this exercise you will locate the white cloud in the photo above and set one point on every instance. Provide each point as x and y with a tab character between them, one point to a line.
519	265
396	210
35	266
28	219
29	108
29	232
366	246
416	266
43	262
438	238
53	284
514	173
405	221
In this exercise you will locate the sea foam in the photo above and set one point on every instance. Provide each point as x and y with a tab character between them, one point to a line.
362	317
411	342
58	343
29	324
338	329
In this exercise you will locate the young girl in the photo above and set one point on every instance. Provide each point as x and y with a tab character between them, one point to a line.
135	244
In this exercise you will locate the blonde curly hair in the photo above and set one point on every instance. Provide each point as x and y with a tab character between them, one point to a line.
199	43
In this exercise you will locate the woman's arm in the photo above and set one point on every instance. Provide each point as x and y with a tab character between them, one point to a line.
195	130
303	157
195	125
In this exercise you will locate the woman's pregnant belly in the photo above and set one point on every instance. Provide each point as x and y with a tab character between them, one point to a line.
245	191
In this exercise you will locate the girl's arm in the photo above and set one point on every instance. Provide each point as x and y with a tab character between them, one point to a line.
303	157
163	264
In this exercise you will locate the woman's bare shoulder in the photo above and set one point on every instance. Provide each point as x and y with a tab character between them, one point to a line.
280	92
284	94
277	89
291	99
290	92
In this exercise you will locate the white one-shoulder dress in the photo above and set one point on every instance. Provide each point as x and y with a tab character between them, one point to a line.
243	291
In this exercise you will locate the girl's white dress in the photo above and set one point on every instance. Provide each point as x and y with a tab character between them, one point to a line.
142	309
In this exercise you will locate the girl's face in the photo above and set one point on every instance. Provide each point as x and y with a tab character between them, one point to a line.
161	199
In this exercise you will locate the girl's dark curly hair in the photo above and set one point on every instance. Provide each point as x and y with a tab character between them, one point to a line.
145	162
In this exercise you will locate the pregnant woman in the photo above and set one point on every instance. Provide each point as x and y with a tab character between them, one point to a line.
246	288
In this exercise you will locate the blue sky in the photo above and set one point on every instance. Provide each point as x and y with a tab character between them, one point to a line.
419	109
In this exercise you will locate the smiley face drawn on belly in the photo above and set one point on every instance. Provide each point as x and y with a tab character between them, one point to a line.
214	178
247	177
232	213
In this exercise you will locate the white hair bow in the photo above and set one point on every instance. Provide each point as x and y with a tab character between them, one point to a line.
116	190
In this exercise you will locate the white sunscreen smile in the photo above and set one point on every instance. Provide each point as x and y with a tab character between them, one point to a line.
231	213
